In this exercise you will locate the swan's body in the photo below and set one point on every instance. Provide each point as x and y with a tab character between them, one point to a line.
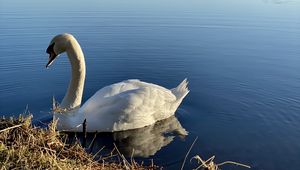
126	105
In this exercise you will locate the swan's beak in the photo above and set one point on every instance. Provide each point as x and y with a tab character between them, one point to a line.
52	54
52	57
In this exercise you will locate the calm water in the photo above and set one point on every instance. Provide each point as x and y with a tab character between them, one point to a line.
242	59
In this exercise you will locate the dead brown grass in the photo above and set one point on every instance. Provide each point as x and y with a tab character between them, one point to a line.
23	146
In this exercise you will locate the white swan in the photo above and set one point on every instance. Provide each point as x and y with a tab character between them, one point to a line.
130	104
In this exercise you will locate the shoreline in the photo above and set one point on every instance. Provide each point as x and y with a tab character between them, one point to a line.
24	146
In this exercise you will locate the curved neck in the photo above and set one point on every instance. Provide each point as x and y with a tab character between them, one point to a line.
73	96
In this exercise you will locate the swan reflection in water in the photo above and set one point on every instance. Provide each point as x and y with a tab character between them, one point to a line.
143	142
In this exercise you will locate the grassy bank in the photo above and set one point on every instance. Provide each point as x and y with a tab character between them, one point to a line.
23	146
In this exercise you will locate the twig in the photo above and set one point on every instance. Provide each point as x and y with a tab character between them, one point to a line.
91	146
98	152
53	103
235	163
131	157
152	163
126	163
84	133
12	127
182	166
209	164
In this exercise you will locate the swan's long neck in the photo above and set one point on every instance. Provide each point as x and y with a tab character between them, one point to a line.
73	96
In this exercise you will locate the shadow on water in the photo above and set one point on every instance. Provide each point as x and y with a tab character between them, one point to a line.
143	142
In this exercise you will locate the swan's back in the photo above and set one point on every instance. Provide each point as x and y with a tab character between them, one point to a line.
131	104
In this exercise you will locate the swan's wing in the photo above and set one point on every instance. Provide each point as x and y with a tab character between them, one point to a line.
108	94
129	104
146	105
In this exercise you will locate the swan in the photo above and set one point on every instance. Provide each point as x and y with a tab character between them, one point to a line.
129	104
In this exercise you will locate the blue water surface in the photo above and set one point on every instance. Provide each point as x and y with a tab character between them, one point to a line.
241	57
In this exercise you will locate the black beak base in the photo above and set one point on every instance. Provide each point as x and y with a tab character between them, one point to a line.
52	55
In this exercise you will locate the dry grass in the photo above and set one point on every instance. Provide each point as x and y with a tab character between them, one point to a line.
23	146
209	164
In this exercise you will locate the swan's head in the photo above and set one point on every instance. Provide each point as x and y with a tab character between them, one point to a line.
58	45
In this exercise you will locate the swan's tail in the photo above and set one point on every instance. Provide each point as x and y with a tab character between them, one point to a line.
181	90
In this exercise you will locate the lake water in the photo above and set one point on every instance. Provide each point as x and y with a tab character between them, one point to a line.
242	59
